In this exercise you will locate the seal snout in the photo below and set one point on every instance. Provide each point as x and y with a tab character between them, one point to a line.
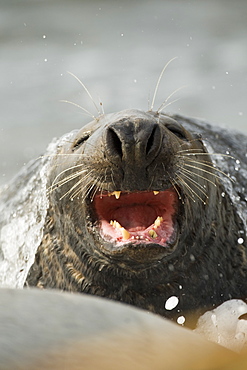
133	142
132	145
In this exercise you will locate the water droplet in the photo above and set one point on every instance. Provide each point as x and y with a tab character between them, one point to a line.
192	258
171	303
214	319
26	257
181	320
171	267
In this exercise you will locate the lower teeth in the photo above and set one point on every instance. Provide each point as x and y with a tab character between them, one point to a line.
126	235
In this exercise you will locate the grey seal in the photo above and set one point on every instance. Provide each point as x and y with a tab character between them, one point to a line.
143	207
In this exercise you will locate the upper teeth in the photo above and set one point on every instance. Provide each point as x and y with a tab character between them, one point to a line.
116	193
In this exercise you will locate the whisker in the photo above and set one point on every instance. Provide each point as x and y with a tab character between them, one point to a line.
198	186
82	189
94	192
66	170
65	180
191	150
191	196
72	188
88	191
158	82
102	107
174	185
69	178
163	105
210	166
182	169
191	190
77	192
87	91
191	141
77	184
78	106
167	105
209	154
192	160
97	187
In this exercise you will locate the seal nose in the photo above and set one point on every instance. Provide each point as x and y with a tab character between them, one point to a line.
134	143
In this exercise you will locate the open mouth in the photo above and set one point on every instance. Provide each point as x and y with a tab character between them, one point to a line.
141	217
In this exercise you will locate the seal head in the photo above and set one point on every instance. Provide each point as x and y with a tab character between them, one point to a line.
136	213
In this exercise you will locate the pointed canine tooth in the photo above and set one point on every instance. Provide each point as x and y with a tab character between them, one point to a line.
155	192
117	225
125	233
153	234
158	221
117	194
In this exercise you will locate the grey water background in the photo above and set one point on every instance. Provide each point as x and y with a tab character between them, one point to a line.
118	49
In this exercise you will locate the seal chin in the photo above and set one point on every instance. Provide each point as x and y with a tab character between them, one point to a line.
135	219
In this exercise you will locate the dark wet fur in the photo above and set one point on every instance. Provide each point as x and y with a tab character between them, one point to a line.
206	267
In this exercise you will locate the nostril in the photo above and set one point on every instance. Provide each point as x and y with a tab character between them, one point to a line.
154	143
114	142
150	141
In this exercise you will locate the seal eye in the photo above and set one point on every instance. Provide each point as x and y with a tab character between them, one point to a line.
81	140
177	130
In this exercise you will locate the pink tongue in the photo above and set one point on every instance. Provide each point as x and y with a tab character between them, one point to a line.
136	217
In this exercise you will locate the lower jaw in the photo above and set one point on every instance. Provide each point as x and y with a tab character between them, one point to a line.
144	253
